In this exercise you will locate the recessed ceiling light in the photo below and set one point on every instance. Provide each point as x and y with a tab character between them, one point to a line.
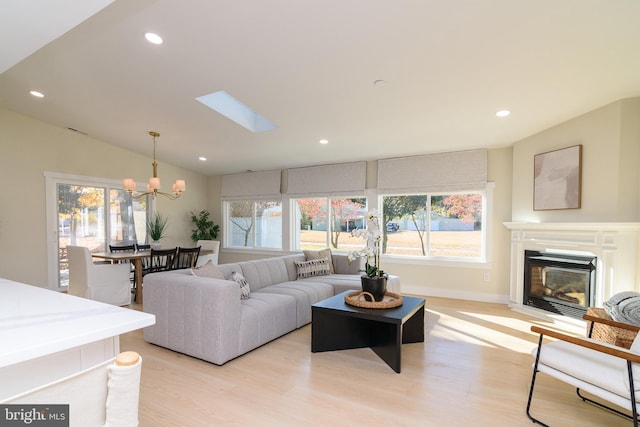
153	38
379	83
503	113
324	141
202	158
37	94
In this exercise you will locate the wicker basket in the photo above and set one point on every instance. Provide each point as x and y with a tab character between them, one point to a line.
609	334
357	299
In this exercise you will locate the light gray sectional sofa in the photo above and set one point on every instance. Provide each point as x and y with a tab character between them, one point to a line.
205	317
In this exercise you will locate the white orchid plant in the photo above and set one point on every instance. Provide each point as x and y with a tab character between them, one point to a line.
372	235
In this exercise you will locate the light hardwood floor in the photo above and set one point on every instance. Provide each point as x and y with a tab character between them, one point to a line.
474	368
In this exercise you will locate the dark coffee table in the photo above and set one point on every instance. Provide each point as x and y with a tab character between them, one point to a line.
336	325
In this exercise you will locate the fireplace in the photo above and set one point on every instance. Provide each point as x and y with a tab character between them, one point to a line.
616	246
560	283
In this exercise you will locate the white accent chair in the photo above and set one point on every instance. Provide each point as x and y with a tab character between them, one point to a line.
208	245
601	369
108	283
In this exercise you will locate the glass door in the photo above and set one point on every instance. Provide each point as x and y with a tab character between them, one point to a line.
95	216
127	218
81	222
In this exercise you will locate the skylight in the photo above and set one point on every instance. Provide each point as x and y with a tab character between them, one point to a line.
235	110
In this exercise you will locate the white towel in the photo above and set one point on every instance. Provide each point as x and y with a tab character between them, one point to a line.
123	395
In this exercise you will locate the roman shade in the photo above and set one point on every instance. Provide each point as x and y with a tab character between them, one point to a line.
454	171
341	179
251	185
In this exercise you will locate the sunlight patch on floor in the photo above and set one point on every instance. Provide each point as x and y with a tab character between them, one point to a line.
486	330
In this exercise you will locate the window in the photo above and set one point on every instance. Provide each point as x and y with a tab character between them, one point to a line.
254	224
434	225
327	222
90	212
128	218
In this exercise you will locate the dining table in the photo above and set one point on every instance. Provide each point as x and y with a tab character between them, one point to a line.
135	257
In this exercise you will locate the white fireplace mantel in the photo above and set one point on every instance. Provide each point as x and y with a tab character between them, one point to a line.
616	246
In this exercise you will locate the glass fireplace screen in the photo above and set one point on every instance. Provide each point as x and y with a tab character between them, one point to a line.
562	284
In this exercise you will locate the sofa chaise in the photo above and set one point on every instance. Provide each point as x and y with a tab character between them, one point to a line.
205	317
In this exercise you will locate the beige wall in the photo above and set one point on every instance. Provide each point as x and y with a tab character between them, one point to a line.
214	204
29	147
610	138
629	173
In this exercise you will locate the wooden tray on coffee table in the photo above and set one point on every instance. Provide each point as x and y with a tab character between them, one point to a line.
357	299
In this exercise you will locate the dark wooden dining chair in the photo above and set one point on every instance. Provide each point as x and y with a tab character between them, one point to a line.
161	260
145	261
186	258
124	248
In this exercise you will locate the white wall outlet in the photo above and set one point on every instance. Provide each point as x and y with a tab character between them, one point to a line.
485	276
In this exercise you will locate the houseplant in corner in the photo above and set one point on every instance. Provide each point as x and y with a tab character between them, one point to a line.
205	229
156	226
374	280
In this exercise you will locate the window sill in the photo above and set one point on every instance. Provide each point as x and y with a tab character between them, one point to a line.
390	259
437	262
257	251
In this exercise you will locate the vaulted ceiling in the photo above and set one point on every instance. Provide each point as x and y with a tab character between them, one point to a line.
309	67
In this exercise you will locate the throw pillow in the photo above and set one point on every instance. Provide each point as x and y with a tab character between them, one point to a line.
313	267
245	290
208	270
324	253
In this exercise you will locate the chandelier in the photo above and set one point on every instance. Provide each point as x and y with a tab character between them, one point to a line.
153	187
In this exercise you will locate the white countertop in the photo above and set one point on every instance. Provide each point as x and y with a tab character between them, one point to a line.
35	321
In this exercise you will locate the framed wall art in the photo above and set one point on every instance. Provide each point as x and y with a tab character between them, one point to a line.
557	179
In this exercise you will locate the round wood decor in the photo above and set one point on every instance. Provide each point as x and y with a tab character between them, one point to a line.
357	299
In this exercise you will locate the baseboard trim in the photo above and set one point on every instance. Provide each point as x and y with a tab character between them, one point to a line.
453	294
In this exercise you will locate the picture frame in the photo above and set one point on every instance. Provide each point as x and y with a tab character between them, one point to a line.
557	179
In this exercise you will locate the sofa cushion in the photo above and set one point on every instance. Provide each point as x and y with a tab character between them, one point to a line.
245	290
342	265
265	317
593	367
340	282
290	264
313	267
227	269
305	294
208	270
264	272
347	282
324	253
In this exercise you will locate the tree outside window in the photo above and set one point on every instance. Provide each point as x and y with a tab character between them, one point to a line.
254	224
439	225
329	221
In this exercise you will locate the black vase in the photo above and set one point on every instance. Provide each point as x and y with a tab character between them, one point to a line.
376	286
